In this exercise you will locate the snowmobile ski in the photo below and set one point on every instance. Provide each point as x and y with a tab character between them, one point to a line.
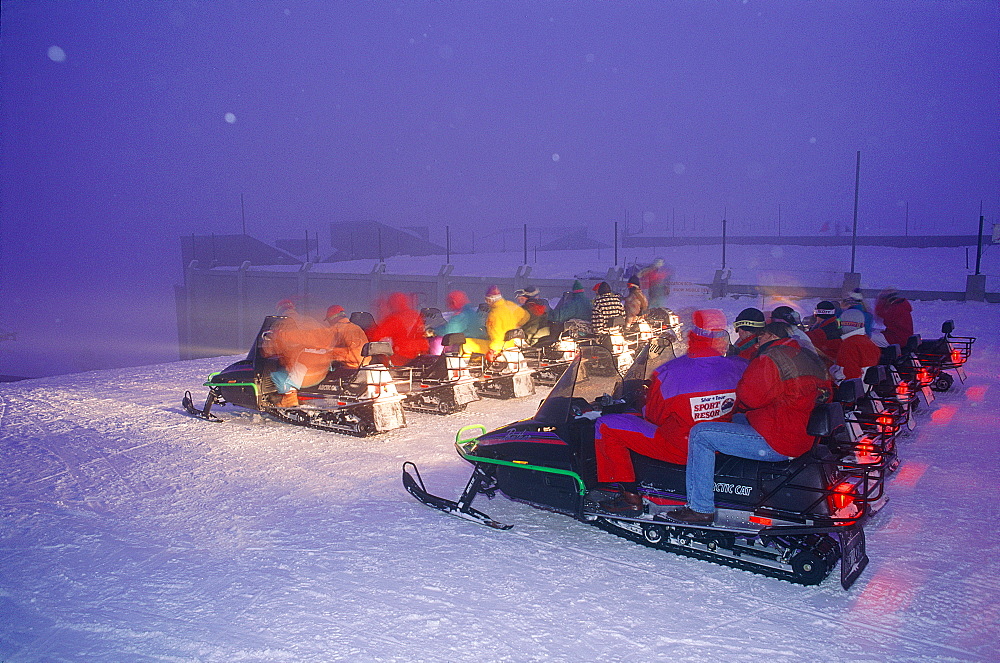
414	485
205	413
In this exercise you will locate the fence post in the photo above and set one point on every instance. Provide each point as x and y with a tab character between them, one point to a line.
720	283
303	284
975	288
190	297
376	281
442	285
852	280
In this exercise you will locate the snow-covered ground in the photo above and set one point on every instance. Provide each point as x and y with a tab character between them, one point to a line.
132	532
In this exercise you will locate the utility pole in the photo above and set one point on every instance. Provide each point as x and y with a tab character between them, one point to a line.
723	240
616	239
979	244
854	232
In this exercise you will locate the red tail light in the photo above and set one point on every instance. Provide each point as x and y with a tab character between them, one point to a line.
902	389
956	357
842	497
886	425
924	376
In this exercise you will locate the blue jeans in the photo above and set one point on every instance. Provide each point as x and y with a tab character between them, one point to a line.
735	439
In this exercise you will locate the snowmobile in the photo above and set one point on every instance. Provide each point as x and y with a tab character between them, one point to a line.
868	445
888	386
944	354
361	401
439	384
621	355
638	334
792	520
550	358
509	375
663	321
911	372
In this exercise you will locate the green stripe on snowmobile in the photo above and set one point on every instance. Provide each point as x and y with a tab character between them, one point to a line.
461	444
231	384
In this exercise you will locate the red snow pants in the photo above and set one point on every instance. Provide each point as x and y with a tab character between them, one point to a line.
616	434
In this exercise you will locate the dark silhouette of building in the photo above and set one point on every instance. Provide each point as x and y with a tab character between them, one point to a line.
232	251
360	240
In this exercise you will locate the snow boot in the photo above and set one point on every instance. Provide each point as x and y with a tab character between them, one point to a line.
688	516
626	504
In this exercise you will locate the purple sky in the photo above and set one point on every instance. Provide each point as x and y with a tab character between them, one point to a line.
117	139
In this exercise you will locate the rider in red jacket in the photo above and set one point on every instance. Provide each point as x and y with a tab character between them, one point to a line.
404	326
778	391
897	314
697	386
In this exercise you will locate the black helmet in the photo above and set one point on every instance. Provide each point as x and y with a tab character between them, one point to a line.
786	314
825	308
751	318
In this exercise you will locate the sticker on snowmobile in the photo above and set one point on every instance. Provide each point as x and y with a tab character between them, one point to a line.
705	408
733	489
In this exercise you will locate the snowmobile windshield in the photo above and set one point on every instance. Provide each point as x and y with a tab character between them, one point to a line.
270	322
592	375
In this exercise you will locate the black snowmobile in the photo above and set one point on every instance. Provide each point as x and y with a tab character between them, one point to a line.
550	358
867	447
948	353
509	375
617	357
437	384
792	520
360	402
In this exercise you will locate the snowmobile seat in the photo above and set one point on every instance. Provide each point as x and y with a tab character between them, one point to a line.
453	339
363	319
849	391
432	317
377	350
931	350
911	346
826	420
793	485
514	333
890	355
876	375
422	362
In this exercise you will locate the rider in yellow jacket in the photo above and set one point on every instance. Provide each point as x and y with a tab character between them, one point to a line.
504	315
